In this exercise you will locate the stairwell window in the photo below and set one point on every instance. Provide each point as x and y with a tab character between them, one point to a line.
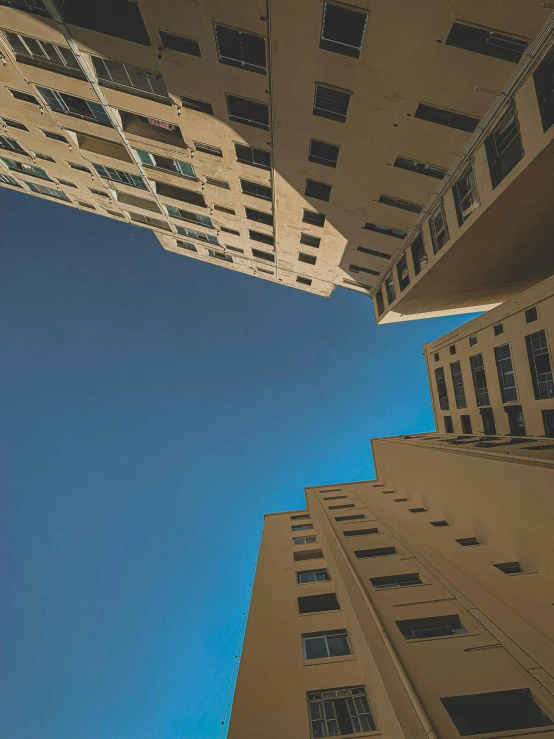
128	78
301	526
263	255
25	97
540	365
504	147
396	233
261	237
220	255
259	216
321	644
303	281
329	102
61	102
342	30
307	258
316	219
395	202
387	582
439	229
240	49
466	197
249	112
339	711
442	391
201	106
309	240
375	552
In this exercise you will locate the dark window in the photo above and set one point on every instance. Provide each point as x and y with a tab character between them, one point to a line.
15	124
30	6
355	517
187	215
317	190
412	165
498	329
234	248
323	153
339	711
262	238
262	254
149	221
320	644
308	576
301	526
61	102
504	147
186	245
472	340
78	167
9	180
506	376
466	197
342	30
355	268
439	229
360	532
436	356
316	219
331	103
419	255
402	272
72	184
301	515
307	554
55	136
200	105
257	191
479	379
509	568
240	49
303	280
399	203
390	288
448	426
544	86
466	424
308	240
487	416
118	175
418	510
439	524
223	209
307	258
253	156
315	603
99	192
515	420
431	627
46	157
376	552
11	145
380	302
215	151
458	382
548	421
395	581
441	389
468	541
24	96
249	112
119	18
226	230
180	43
342	505
128	78
540	366
452	349
260	217
489	43
385	230
531	315
444	117
380	254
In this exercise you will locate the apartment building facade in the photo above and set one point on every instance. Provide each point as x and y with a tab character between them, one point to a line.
415	605
494	375
247	141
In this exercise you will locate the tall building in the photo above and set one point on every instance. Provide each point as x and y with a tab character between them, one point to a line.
298	142
494	375
417	605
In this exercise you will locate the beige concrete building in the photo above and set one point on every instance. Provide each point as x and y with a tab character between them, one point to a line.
494	375
299	142
417	605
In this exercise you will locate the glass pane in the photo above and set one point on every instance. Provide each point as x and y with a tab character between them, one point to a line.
338	645
315	647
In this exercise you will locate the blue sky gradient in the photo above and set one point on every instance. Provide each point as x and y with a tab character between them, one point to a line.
153	409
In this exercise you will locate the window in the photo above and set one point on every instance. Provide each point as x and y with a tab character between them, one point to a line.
418	510
301	526
468	541
341	505
402	272
548	422
11	145
360	532
218	183
380	254
338	712
395	581
516	420
466	197
304	281
223	209
376	552
458	382
229	231
15	124
118	175
262	238
43	190
186	245
30	6
540	366
304	540
317	190
240	49
24	96
472	340
180	43
484	41
479	379
307	258
79	167
316	219
201	106
390	289
439	524
506	376
9	180
252	156
355	268
431	627
342	30
316	603
302	515
119	18
91	207
260	217
44	54
444	117
166	164
486	713
249	112
498	329
441	389
215	151
61	102
331	103
322	644
128	78
307	576
452	349
385	230
45	157
544	86
307	554
263	255
399	203
439	229
487	416
448	426
323	153
531	315
149	221
234	248
187	215
192	234
308	240
219	255
466	424
379	302
504	147
255	190
101	193
55	136
355	517
24	168
412	165
436	356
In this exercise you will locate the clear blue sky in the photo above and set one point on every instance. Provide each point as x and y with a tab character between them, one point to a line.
153	409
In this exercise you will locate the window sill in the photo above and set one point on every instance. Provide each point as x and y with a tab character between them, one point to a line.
314	613
329	660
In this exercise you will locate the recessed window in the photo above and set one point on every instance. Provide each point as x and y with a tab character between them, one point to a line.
187	245
487	713
342	30
240	49
256	190
487	42
531	315
439	524
504	147
355	517
86	205
45	157
218	183
49	191
188	215
79	167
390	289
220	255
395	581
307	554
192	234
9	144
115	214
509	568
24	96
439	229
444	117
466	424
118	175
321	644
458	382
380	303
385	230
301	526
55	136
356	269
452	349
100	193
67	183
448	425
413	165
331	103
442	390
199	105
304	540
301	515
252	156
223	209
307	576
548	422
148	221
436	356
506	376
498	329
540	365
180	43
166	164
373	253
15	124
234	248
487	417
472	340
316	219
308	240
468	541
316	603
262	238
249	112
22	167
317	190
62	102
303	281
418	510
263	255
431	627
466	197
342	505
339	711
307	258
215	151
260	217
402	272
360	532
376	552
543	76
128	78
399	203
323	153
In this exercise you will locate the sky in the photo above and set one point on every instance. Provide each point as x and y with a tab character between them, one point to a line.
153	408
